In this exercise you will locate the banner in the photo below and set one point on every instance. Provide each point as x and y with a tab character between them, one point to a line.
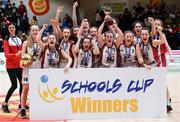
39	7
116	5
2	62
100	93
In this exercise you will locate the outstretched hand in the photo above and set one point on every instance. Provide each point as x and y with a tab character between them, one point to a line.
171	59
147	66
60	8
159	29
66	69
53	22
75	5
45	26
18	53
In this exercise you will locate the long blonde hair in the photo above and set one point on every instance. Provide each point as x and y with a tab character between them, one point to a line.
30	39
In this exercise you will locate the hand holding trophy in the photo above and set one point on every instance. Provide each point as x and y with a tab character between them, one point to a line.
108	19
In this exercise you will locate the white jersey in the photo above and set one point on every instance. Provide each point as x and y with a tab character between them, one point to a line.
51	59
84	59
128	56
147	54
36	52
66	46
137	40
109	56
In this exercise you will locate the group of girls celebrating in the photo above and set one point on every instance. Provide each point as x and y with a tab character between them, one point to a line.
86	47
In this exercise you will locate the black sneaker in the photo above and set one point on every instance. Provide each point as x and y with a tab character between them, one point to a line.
5	109
26	107
169	108
23	114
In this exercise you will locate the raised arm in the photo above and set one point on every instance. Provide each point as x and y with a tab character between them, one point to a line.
100	37
39	36
95	48
56	29
162	36
76	48
58	12
162	39
74	17
53	23
60	34
84	21
120	36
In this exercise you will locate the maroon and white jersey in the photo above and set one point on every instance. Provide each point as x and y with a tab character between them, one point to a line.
128	56
109	56
52	58
147	54
84	59
156	51
36	52
66	46
137	40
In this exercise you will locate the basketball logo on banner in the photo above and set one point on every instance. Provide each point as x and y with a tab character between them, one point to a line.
39	7
48	95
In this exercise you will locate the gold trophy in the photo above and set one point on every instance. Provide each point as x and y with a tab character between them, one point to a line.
26	60
108	19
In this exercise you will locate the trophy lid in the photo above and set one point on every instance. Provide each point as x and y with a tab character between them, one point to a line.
107	9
